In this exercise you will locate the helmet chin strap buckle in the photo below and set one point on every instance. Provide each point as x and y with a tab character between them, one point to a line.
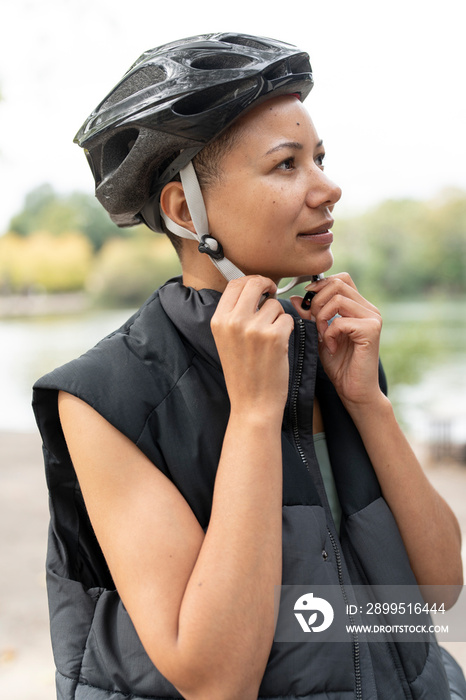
300	280
211	247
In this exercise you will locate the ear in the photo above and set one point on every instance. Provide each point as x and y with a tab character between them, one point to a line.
175	206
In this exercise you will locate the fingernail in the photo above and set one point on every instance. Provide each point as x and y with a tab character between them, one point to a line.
311	285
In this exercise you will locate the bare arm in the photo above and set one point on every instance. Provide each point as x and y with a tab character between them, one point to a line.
349	351
203	606
429	529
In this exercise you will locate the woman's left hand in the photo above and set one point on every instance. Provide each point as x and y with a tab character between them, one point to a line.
349	345
349	352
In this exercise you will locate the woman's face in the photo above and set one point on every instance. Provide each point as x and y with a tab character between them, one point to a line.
271	207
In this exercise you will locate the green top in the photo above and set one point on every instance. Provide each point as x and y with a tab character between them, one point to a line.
320	445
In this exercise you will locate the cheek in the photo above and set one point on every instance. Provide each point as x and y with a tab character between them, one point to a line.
219	210
284	207
238	210
268	205
233	210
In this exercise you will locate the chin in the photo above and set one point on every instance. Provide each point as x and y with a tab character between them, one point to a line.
314	266
301	270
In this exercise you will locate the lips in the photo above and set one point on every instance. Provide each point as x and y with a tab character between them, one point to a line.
322	228
324	238
320	235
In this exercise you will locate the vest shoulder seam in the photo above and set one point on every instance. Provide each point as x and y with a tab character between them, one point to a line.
162	400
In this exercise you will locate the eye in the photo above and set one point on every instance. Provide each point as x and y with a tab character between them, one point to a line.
287	164
319	160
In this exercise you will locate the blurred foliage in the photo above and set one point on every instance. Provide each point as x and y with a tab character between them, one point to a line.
117	267
417	334
126	272
43	262
45	210
406	248
408	351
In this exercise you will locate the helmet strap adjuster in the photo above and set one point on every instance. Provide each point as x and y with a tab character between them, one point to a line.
211	247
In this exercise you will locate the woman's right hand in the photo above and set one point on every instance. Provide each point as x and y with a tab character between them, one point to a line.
252	344
203	603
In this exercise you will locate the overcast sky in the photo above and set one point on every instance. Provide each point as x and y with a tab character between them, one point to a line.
389	97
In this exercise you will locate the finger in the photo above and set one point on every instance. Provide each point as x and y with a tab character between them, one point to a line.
284	324
320	284
343	306
270	310
360	331
245	293
255	293
344	277
335	285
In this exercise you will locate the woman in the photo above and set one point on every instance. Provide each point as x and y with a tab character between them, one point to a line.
189	435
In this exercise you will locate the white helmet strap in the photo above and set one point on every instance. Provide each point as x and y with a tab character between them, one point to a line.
196	206
208	244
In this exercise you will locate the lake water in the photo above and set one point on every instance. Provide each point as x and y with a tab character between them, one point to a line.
33	346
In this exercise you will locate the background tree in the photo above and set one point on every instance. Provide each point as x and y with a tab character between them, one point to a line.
406	248
44	263
45	210
126	272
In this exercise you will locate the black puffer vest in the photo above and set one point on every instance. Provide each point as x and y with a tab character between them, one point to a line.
159	381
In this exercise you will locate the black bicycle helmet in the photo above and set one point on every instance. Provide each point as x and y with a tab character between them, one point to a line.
172	102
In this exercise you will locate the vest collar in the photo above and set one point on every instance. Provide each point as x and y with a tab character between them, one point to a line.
191	312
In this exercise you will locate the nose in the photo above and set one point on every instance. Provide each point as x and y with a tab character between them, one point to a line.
322	191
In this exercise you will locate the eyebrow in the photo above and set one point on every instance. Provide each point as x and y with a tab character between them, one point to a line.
291	144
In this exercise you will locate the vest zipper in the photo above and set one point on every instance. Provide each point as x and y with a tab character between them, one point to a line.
297	384
356	657
297	440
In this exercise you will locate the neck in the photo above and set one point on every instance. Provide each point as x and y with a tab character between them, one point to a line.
200	273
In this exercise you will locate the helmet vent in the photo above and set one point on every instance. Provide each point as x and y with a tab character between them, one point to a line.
117	149
221	61
279	70
244	41
295	65
212	97
140	79
299	64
